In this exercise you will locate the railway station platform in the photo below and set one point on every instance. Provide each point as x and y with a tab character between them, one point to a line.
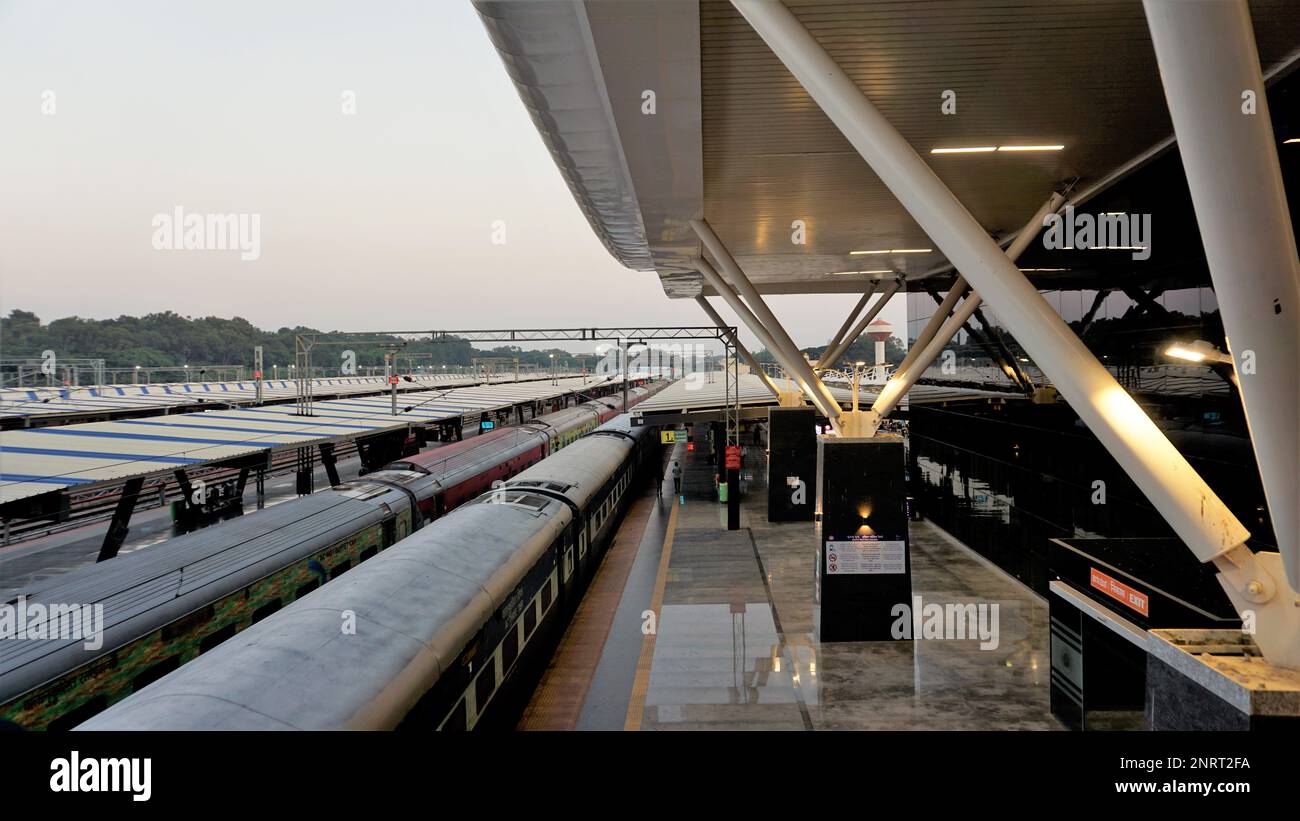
734	644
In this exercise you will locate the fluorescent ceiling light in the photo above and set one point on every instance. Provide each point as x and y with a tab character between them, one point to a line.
1292	140
1044	269
849	273
985	149
893	251
1030	147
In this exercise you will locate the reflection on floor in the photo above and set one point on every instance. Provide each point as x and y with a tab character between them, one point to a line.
735	641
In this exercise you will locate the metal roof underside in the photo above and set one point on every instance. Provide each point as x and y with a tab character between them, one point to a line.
1081	73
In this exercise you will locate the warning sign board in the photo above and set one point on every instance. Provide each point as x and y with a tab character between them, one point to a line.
392	380
863	556
733	457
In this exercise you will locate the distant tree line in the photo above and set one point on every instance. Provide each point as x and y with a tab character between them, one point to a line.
170	340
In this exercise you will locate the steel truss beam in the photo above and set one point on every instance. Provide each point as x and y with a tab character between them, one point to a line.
1181	496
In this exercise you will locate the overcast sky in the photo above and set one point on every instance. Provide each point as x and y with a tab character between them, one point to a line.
378	220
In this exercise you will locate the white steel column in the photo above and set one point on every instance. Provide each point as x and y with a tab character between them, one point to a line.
747	316
1183	498
848	323
800	368
741	350
1208	61
828	360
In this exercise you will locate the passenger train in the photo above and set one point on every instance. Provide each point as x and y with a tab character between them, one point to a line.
168	604
449	630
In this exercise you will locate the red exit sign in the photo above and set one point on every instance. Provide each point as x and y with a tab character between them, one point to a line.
1117	590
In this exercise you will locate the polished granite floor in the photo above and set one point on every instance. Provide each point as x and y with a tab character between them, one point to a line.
736	644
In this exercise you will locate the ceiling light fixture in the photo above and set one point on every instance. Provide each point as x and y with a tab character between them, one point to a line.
1198	351
849	273
986	149
893	251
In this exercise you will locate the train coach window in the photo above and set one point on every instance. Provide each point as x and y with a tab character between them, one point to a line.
306	588
216	637
455	720
546	596
485	684
368	553
530	620
155	672
266	610
509	647
340	568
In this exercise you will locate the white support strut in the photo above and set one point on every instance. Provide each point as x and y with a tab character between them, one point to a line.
1182	497
1209	63
932	327
797	365
738	305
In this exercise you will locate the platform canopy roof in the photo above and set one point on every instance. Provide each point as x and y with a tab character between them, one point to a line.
735	138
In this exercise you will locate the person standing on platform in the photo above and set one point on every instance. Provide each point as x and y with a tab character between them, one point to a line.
677	479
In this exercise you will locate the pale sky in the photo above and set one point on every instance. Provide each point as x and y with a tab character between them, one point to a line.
378	220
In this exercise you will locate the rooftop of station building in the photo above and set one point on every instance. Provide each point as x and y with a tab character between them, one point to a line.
42	460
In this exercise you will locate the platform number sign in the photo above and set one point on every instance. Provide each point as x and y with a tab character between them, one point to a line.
672	437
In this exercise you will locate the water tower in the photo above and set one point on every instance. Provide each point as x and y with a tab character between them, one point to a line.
879	331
